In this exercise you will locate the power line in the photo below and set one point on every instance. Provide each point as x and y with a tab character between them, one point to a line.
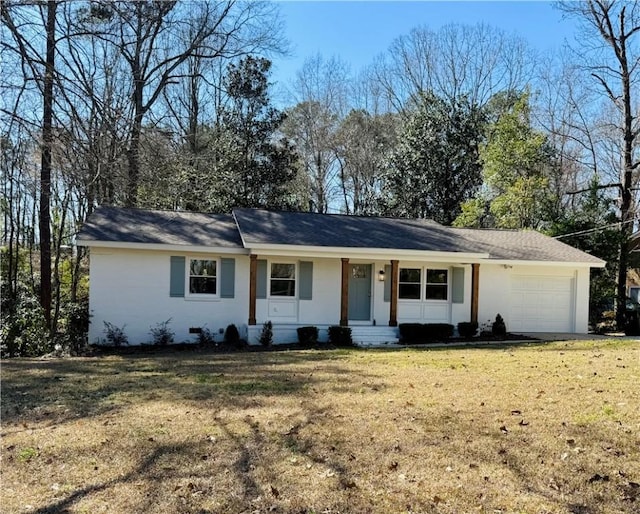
595	229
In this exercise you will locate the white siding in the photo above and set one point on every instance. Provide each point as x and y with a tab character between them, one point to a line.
570	301
131	288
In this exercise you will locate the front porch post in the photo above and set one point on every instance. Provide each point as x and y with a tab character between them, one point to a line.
253	275
475	287
344	294
393	304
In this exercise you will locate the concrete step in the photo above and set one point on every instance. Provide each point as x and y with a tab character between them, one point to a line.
374	336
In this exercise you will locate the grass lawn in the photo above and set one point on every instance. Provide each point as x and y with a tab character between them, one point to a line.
534	428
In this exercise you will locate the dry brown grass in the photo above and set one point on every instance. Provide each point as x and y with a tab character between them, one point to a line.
550	428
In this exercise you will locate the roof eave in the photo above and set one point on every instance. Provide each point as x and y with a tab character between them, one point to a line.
356	252
162	247
558	264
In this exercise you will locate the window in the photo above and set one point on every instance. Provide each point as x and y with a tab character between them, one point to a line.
283	279
203	276
409	284
437	284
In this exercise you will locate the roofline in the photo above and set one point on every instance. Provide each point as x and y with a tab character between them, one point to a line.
337	252
357	252
162	246
556	264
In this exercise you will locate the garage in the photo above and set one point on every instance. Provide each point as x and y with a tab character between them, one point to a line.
541	304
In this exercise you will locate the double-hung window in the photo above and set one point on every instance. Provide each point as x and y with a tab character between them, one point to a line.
283	279
409	283
437	287
203	278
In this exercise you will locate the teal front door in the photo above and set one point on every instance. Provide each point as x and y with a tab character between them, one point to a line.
360	292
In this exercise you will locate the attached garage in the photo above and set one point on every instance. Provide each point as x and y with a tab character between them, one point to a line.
542	303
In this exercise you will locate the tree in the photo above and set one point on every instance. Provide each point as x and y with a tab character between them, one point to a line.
260	165
592	227
457	60
436	165
156	37
364	144
320	95
613	27
45	74
517	165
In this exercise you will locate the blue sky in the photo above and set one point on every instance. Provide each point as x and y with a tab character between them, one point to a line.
357	31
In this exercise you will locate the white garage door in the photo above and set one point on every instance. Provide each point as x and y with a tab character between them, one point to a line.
541	304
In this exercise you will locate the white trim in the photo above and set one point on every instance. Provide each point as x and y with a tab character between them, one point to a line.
164	247
203	297
359	253
295	280
293	251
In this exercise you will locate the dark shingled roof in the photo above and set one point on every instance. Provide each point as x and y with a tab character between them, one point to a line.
257	227
523	245
337	230
333	230
114	224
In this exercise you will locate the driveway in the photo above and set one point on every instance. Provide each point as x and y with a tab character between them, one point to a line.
561	336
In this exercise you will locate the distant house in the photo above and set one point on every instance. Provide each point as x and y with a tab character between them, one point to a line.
633	275
296	269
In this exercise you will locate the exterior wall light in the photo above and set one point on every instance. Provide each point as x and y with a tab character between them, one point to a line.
381	275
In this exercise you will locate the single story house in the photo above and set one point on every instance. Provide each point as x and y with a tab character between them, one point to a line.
298	269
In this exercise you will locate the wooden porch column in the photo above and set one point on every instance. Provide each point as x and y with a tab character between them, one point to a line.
253	275
344	294
475	287
393	303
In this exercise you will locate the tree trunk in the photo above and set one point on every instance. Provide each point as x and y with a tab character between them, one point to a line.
45	169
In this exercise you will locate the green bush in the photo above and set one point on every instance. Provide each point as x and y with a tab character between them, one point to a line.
266	336
307	336
75	320
24	331
467	329
232	337
411	333
499	328
340	336
437	331
632	324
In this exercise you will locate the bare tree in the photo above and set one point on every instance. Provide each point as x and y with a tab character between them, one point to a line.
457	60
611	54
320	93
155	38
42	68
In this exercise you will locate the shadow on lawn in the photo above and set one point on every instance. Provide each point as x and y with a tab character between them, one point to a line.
248	465
64	389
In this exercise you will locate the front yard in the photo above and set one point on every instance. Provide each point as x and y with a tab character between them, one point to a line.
536	428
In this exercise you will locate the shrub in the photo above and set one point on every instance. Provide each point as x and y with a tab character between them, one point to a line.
499	328
340	336
308	336
467	329
266	336
115	335
206	337
76	318
232	337
162	335
410	332
632	324
24	331
437	331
